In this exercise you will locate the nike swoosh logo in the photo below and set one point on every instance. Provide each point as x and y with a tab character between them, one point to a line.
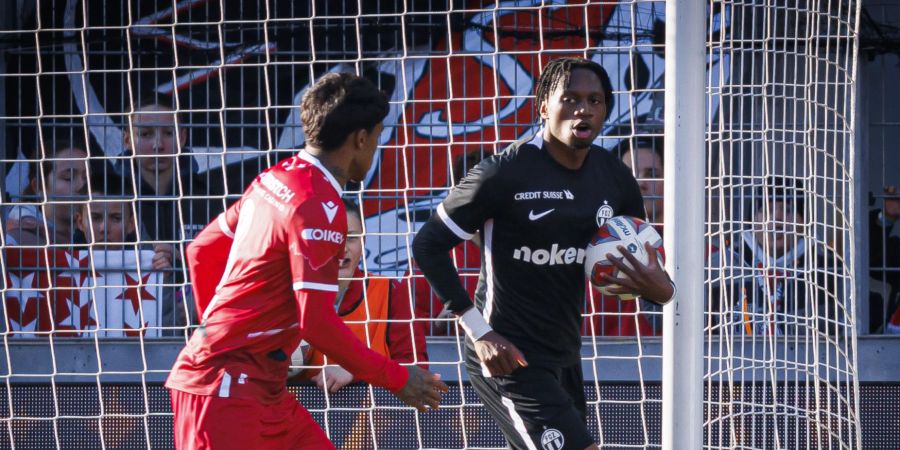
532	216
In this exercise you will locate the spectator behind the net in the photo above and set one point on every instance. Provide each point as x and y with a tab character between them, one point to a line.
107	221
608	315
782	281
45	213
173	201
884	256
645	156
382	303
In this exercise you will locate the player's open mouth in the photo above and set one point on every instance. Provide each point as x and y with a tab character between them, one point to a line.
344	263
582	130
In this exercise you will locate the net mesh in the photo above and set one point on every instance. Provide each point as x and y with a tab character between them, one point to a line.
781	318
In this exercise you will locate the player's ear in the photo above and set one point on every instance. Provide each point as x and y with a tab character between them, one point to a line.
360	137
543	110
354	139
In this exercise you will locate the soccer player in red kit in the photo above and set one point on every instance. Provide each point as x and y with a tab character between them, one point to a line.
284	239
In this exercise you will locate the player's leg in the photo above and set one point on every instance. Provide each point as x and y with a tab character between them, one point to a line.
572	380
290	426
491	396
209	422
533	409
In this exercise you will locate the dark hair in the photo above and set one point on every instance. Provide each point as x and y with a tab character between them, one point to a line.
654	143
44	164
111	185
352	207
779	188
558	71
154	99
151	100
340	104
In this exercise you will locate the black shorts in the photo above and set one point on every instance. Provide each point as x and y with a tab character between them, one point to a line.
537	408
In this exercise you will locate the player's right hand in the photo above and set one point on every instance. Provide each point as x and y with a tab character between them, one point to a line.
499	355
423	389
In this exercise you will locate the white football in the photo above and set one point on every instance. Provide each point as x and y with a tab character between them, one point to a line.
629	232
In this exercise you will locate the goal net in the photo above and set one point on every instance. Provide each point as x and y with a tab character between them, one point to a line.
128	126
781	328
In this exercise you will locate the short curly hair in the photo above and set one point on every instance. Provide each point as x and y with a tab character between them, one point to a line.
340	104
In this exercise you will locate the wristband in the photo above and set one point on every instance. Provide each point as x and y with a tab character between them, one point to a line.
474	324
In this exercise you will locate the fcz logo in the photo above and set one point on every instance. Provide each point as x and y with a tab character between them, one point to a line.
552	439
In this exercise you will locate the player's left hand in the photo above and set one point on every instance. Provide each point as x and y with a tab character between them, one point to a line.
648	281
333	378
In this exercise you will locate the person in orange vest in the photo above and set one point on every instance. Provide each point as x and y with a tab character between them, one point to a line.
377	309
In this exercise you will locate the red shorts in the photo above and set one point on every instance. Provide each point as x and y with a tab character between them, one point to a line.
211	422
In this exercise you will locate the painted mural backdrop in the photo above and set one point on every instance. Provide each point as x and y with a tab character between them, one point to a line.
459	82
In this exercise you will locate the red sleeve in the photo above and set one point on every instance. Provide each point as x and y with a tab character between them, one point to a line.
406	339
315	239
324	330
207	256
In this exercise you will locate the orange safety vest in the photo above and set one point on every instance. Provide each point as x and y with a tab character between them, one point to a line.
367	321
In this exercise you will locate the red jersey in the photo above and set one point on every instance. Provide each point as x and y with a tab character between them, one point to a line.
285	237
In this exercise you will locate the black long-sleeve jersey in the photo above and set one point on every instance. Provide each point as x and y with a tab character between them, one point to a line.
535	218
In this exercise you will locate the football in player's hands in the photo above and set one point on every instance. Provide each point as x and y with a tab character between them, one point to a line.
625	231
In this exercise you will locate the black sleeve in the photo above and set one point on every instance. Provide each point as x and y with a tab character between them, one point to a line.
458	218
472	202
431	250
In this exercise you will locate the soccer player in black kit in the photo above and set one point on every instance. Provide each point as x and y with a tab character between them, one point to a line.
536	206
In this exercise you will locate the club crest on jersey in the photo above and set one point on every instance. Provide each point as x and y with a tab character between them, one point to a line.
604	213
552	439
330	210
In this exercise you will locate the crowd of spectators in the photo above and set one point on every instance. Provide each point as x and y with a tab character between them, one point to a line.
77	209
152	202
